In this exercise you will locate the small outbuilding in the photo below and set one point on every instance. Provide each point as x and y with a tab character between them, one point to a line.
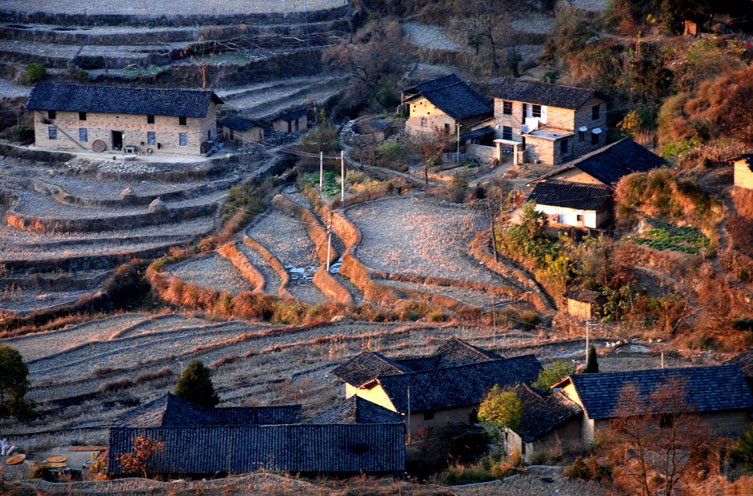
240	130
744	171
584	303
571	204
291	122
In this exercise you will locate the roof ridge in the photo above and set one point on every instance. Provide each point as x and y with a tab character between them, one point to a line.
548	84
455	367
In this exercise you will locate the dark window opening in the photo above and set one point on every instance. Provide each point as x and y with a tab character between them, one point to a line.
182	120
52	132
563	147
82	116
51	114
536	111
83	134
296	125
525	113
579	218
473	417
666	420
595	112
507	108
117	140
183	139
423	121
150	119
151	138
506	132
581	135
428	415
594	138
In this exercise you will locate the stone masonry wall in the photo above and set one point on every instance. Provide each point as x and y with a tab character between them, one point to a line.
134	128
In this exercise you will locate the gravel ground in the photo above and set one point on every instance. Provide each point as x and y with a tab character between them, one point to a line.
10	90
534	480
23	301
176	7
430	36
212	271
465	296
412	236
272	281
533	23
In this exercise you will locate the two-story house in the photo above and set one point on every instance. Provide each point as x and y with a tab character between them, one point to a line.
444	104
551	123
83	118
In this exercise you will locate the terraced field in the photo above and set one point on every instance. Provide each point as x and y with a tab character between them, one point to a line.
67	226
87	375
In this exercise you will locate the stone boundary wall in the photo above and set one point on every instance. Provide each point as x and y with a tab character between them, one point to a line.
274	262
38	17
246	268
330	287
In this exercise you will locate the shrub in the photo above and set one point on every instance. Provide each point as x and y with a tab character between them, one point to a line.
22	133
127	285
14	383
586	470
195	385
552	373
743	450
34	73
42	472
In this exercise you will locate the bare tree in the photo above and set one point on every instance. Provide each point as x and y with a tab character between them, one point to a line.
488	24
653	440
144	448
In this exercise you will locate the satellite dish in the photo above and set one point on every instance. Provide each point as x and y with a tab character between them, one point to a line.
596	130
583	129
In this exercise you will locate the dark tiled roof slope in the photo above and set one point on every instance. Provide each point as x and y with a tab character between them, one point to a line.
238	123
289	448
477	133
745	361
611	163
748	159
120	100
541	414
356	410
457	386
568	194
582	294
708	389
454	97
454	352
365	367
553	95
170	410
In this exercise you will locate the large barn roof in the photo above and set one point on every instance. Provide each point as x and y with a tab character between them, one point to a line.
453	96
120	100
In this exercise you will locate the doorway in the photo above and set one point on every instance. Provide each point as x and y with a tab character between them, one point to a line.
117	140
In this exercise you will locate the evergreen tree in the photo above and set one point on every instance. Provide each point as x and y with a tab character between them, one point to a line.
592	366
195	385
14	383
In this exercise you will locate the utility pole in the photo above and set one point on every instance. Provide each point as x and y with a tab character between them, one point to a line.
457	128
491	221
408	414
588	336
342	177
321	173
662	358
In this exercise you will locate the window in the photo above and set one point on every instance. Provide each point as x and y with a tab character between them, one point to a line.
582	135
83	134
563	147
536	110
82	116
666	420
51	114
183	139
447	128
595	111
428	415
594	138
150	119
296	125
507	108
209	134
52	132
506	132
182	120
579	218
151	138
423	121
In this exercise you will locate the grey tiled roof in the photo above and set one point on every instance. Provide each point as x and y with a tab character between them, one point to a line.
454	97
745	361
170	410
238	123
611	163
708	389
356	410
120	100
569	194
583	294
534	92
477	133
365	367
368	365
464	385
542	414
342	448
748	159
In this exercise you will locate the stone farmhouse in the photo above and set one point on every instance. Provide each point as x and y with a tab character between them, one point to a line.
718	394
240	131
82	118
549	422
579	193
434	391
743	167
206	442
445	104
549	123
291	122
